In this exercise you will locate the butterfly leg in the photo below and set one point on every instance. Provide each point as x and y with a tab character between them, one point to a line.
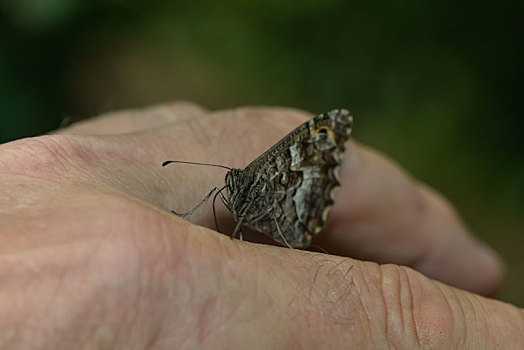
280	231
223	198
237	230
219	193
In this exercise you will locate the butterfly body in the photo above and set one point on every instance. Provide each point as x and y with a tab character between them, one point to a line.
287	191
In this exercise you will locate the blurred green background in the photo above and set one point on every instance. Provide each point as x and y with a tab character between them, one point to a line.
435	84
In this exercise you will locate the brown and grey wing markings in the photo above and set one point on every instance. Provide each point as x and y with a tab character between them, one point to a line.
295	180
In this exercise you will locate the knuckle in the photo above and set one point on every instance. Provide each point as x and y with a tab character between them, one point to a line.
417	313
40	156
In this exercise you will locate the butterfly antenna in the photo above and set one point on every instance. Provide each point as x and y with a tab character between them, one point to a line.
195	163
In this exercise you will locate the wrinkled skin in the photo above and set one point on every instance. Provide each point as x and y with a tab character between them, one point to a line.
91	257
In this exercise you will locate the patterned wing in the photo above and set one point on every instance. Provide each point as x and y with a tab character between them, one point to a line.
292	189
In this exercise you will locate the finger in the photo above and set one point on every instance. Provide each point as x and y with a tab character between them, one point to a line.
304	299
133	120
380	306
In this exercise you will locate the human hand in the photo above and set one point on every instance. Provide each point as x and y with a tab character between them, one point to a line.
90	256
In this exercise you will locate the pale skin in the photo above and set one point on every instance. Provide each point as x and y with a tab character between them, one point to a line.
91	257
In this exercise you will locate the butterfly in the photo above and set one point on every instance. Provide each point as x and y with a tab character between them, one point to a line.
287	192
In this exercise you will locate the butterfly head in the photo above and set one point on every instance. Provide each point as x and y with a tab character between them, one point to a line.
233	181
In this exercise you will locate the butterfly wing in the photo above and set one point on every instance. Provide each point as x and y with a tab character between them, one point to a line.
292	183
